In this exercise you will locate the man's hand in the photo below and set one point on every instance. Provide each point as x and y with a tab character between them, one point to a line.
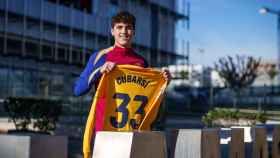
107	67
166	74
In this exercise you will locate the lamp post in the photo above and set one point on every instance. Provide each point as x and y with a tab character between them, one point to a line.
265	10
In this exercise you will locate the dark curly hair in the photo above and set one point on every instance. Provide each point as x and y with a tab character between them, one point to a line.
123	17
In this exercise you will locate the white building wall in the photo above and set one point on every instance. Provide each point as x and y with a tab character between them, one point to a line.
197	75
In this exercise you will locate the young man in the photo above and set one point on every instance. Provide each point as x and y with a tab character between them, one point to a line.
104	61
123	30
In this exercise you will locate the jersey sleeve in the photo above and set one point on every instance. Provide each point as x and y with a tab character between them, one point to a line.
90	74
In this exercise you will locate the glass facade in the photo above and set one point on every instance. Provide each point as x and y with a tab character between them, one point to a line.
35	83
66	32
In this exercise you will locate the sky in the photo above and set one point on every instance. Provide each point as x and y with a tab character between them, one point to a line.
228	27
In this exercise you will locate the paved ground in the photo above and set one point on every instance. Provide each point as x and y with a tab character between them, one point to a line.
183	122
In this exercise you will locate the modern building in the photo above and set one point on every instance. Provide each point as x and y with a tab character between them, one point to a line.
195	76
267	74
44	44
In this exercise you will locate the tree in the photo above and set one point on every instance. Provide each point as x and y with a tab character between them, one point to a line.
239	73
184	74
272	73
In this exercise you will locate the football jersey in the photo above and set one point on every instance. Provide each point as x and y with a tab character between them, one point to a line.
132	99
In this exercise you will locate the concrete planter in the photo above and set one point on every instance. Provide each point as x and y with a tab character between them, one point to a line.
129	145
33	146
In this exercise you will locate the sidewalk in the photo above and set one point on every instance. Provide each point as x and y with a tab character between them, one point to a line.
183	122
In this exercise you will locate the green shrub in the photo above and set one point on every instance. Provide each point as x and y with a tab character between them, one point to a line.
44	112
229	114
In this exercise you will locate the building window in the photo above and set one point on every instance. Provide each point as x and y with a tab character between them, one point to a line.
87	56
47	52
14	47
114	2
17	80
113	7
77	57
102	42
30	83
1	45
77	4
44	84
31	49
4	86
61	55
57	85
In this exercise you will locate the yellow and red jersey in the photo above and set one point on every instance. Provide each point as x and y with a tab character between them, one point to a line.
127	99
